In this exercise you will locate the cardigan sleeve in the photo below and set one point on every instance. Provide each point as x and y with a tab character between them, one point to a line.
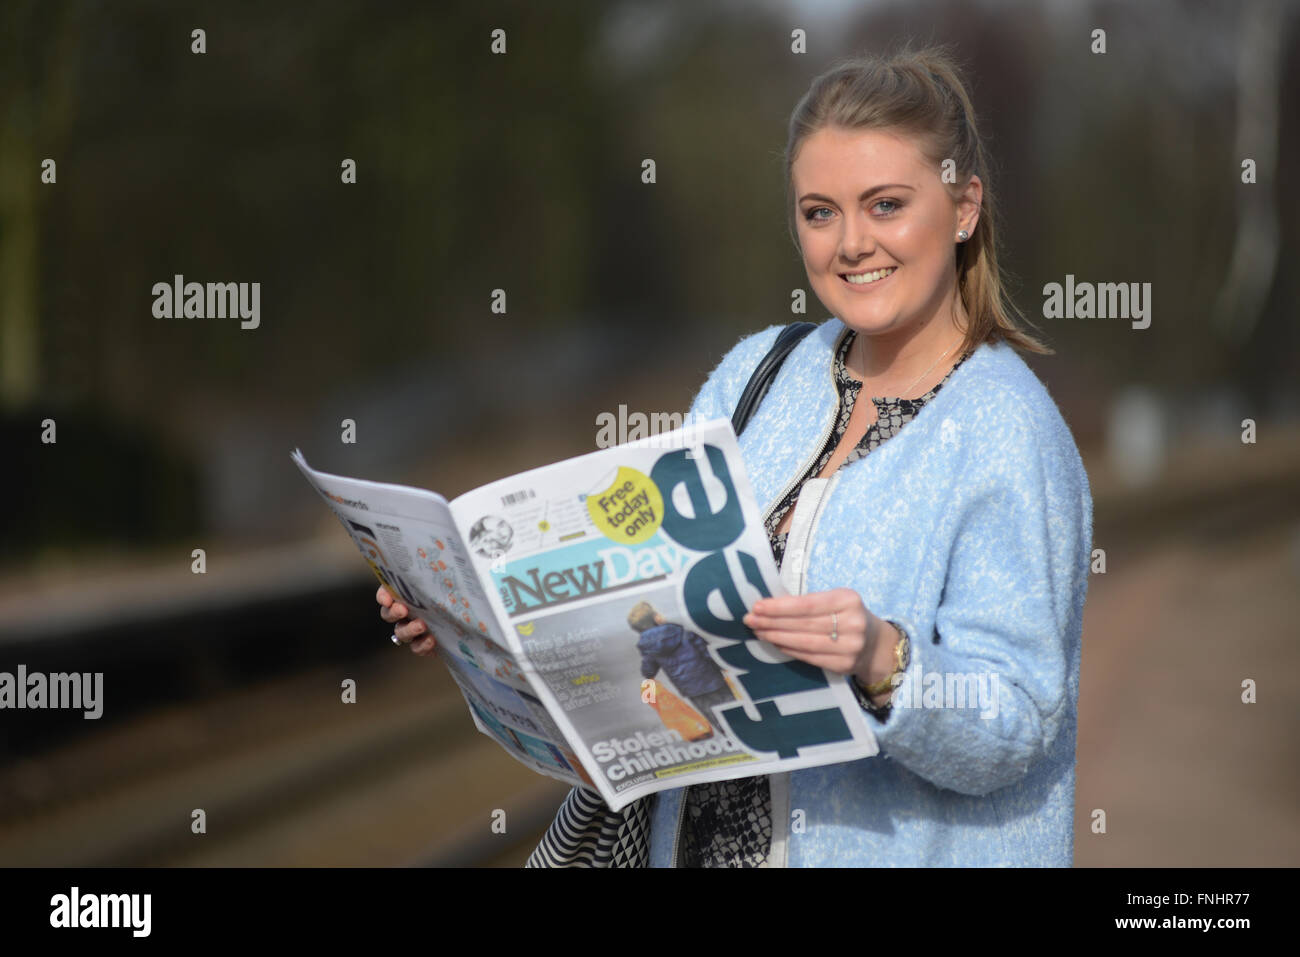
718	396
1010	615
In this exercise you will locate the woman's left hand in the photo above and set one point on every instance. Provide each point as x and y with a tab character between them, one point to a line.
801	625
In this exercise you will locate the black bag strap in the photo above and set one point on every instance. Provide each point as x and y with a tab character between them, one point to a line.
765	372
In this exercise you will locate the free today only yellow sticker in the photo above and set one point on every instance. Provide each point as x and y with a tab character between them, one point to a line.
630	510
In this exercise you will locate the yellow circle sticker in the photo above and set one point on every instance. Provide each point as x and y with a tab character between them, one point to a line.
630	510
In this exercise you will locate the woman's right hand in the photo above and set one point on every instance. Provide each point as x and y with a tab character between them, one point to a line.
412	631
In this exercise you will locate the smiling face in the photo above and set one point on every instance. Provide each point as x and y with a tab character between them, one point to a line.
878	231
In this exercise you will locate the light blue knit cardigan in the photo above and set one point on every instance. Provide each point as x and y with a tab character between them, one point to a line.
972	528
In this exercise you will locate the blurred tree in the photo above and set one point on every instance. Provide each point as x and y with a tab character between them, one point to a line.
40	45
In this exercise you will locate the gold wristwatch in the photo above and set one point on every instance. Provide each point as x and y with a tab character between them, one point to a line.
902	655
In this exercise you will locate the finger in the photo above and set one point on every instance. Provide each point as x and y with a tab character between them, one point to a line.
847	622
836	663
401	610
383	597
410	630
807	642
796	606
765	619
424	646
390	616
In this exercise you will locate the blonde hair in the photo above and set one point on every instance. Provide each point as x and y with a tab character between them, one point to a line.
642	616
920	93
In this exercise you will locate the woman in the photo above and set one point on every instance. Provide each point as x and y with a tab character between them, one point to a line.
934	539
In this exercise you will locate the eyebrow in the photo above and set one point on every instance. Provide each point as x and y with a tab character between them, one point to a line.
865	193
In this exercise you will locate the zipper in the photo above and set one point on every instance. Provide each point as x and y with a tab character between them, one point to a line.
812	527
826	434
780	822
817	450
677	832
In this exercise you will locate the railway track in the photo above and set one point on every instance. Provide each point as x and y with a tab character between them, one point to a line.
399	778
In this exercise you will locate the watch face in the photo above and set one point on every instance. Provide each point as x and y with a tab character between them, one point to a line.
903	651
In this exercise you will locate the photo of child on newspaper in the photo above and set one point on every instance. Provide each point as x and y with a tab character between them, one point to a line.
684	657
641	692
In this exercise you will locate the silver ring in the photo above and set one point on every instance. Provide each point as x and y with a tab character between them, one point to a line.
835	630
395	639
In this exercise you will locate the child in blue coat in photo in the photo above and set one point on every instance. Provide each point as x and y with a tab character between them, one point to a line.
681	655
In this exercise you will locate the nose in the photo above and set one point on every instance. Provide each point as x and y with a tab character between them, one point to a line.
857	238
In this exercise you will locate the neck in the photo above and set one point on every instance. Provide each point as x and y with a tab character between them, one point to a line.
896	359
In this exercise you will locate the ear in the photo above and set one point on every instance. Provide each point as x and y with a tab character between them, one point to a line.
969	203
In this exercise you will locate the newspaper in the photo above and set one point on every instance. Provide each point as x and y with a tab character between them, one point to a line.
590	612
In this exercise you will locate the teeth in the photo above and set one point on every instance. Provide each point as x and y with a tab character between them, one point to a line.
865	278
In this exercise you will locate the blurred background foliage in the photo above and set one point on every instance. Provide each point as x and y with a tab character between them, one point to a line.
522	172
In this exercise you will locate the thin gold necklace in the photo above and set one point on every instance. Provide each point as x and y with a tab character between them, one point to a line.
904	392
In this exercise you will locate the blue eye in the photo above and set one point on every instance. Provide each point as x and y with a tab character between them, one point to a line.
894	206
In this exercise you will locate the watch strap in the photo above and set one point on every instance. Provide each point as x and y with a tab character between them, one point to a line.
902	657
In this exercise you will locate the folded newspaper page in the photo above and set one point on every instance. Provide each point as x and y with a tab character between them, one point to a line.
590	612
